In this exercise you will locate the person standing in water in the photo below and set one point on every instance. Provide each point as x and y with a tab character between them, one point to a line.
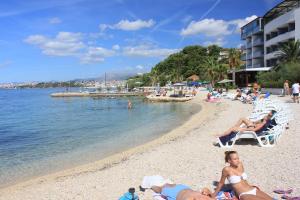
129	106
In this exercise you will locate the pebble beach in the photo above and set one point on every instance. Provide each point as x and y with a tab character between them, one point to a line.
185	155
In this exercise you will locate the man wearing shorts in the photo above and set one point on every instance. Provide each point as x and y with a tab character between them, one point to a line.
295	89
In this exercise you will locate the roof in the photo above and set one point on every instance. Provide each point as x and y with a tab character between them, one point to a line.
252	69
280	9
257	18
194	77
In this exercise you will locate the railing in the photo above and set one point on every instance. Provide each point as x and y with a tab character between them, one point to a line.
258	42
249	56
258	65
257	54
243	57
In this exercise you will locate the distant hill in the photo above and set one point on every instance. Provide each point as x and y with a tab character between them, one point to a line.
110	76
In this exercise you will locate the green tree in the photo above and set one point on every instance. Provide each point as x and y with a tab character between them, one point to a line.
290	51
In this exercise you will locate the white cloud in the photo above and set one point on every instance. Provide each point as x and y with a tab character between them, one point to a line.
116	47
147	51
95	54
139	67
55	20
64	44
127	25
218	41
70	44
215	28
209	27
5	63
103	27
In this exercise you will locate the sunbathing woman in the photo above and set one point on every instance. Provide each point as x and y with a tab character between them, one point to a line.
179	192
246	125
237	177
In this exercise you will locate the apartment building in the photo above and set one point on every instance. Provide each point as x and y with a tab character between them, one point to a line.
264	35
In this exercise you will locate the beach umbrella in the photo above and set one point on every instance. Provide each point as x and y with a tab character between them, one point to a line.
179	84
226	81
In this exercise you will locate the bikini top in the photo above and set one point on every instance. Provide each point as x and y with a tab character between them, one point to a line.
236	179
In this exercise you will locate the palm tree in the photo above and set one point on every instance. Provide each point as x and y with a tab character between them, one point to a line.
290	51
234	60
214	70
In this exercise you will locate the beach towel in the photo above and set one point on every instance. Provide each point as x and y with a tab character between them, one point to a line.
227	138
149	181
157	196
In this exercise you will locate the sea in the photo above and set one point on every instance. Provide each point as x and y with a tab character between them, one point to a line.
41	135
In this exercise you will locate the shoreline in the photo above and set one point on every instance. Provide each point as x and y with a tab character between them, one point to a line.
177	133
185	155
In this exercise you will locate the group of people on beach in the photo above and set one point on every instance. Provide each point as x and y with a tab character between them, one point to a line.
295	90
234	173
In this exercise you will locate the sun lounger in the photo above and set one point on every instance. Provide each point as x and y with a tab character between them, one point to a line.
266	136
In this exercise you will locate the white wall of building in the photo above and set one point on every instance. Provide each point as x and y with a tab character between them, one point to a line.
279	22
297	24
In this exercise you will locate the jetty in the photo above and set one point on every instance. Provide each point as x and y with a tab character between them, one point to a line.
168	98
95	94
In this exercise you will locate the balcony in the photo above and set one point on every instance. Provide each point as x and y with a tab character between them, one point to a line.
243	57
249	45
252	28
272	55
280	38
258	65
243	47
249	56
258	42
249	65
258	54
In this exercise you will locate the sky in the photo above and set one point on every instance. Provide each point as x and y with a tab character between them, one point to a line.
63	40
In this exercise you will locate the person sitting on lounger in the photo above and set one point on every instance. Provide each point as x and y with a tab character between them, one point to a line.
246	125
180	192
238	95
237	177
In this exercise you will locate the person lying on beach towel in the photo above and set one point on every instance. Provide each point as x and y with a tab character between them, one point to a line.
237	177
246	125
179	192
170	191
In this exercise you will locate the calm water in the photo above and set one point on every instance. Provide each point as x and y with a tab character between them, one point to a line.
40	134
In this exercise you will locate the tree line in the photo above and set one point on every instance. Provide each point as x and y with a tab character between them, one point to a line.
209	63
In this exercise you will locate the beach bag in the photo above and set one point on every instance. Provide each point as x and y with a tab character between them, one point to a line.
130	195
222	195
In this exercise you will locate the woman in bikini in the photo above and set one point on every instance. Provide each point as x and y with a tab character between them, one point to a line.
237	177
246	125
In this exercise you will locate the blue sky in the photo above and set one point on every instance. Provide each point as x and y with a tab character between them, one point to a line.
63	40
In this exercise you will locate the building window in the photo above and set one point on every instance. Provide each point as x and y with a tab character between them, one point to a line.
291	26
